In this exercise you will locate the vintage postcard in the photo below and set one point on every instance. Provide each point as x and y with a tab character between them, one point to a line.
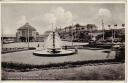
67	41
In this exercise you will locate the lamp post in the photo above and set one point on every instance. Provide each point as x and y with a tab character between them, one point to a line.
28	37
91	32
115	26
111	32
103	29
2	38
109	27
72	34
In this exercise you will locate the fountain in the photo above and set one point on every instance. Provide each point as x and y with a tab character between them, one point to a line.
53	47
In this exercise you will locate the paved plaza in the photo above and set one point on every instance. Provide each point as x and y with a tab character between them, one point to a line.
27	57
35	44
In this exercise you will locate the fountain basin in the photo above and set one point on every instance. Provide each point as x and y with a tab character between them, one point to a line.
50	54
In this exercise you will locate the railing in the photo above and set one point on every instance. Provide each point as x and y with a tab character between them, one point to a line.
9	50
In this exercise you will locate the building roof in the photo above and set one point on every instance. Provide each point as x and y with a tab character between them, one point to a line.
26	26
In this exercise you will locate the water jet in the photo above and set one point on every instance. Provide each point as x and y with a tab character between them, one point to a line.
53	47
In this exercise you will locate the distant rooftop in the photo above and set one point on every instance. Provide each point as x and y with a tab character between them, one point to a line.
27	26
9	35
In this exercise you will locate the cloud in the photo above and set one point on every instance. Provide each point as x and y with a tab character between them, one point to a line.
7	30
22	20
62	16
49	18
58	16
104	13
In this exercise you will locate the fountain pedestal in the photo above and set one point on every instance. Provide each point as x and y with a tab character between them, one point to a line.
56	53
53	48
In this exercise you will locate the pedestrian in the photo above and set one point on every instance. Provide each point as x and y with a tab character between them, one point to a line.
65	47
76	50
38	45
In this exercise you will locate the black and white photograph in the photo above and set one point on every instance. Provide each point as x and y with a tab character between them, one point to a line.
63	41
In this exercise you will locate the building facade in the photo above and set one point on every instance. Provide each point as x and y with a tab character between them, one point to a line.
26	33
77	32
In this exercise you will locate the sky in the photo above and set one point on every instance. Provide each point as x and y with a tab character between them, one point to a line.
43	15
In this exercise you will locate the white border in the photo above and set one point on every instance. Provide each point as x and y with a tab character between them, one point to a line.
55	2
72	2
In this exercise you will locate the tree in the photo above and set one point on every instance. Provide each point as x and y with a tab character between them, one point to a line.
77	25
91	27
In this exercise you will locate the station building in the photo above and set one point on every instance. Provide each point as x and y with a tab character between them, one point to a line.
26	32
